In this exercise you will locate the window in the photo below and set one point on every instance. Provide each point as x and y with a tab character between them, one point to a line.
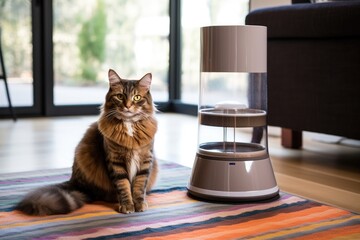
92	36
15	27
64	49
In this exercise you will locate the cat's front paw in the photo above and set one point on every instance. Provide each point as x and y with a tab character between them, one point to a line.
126	208
141	206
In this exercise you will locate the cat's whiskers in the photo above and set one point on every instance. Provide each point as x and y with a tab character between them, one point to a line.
111	114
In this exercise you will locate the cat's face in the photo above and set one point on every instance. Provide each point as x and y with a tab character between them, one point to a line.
128	100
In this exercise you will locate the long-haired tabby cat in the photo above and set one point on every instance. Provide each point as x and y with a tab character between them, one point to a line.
114	161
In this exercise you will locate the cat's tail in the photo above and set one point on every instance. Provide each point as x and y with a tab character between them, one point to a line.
50	200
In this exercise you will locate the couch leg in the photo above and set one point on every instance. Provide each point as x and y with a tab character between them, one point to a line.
291	138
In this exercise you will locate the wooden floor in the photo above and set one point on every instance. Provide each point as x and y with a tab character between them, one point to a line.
328	173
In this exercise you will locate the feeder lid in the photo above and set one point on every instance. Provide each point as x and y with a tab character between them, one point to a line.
233	49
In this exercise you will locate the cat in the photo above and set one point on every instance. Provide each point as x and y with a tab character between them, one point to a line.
114	161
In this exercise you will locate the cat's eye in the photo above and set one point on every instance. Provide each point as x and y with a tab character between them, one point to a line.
120	97
136	98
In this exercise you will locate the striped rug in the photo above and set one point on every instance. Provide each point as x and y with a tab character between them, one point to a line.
172	215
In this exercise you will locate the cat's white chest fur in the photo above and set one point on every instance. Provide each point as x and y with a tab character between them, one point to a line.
129	129
134	166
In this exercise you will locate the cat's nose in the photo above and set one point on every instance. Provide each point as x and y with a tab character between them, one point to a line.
128	105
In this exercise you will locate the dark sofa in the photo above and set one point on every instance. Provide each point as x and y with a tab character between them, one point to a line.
313	68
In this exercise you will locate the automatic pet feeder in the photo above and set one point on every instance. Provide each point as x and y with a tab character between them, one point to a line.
232	161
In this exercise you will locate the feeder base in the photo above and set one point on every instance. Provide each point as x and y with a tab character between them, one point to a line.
234	180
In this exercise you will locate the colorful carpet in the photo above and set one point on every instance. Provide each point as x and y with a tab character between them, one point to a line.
172	215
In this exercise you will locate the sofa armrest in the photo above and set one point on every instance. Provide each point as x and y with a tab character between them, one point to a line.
320	20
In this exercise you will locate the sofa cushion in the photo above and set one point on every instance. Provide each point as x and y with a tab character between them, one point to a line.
332	19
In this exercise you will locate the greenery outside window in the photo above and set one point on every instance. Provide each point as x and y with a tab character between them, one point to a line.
92	36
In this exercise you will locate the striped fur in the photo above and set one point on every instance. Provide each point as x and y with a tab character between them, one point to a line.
114	161
51	200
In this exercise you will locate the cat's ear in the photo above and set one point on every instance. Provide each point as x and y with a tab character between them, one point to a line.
113	77
145	82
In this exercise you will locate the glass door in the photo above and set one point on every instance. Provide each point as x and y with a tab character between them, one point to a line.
58	52
18	47
89	37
